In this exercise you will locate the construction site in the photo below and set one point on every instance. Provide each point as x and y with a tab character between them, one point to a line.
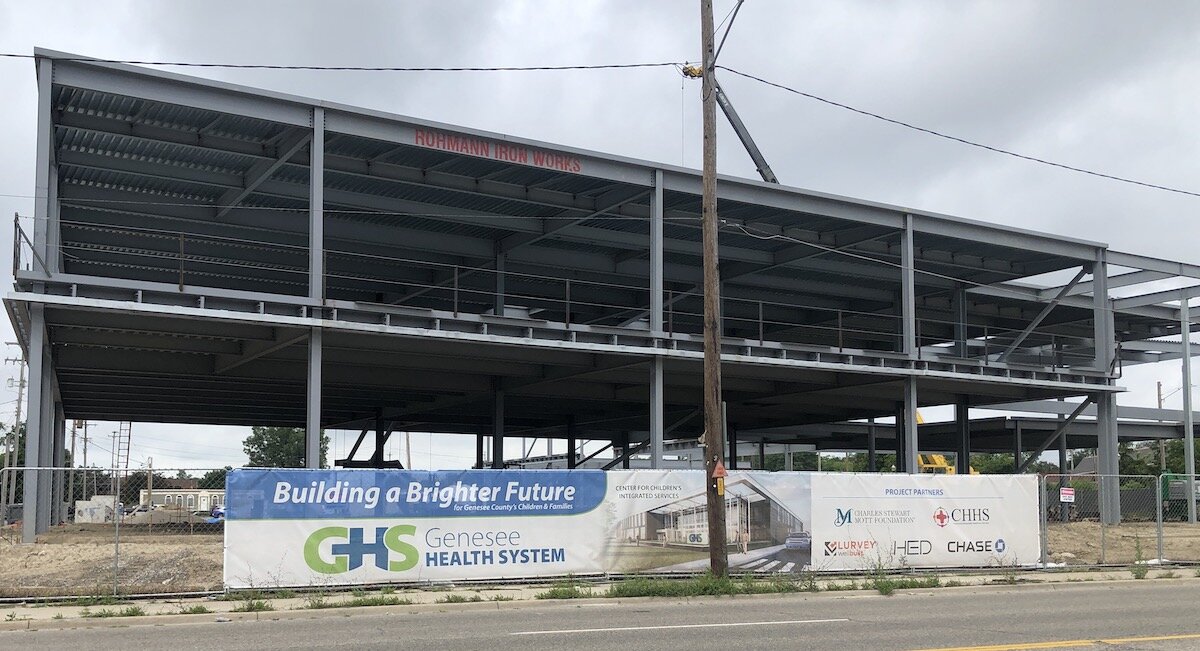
205	253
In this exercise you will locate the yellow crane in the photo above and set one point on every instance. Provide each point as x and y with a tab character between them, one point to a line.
936	464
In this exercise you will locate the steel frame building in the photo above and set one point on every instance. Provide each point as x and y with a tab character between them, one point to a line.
203	252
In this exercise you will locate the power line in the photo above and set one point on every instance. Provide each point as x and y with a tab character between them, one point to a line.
964	141
271	66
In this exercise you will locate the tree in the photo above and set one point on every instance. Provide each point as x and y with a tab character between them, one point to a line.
214	478
279	447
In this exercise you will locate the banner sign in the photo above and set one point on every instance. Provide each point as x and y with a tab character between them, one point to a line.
887	520
289	527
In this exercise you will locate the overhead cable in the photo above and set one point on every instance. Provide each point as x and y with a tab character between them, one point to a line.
272	66
964	141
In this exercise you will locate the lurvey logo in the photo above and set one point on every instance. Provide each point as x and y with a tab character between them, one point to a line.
350	548
843	517
830	548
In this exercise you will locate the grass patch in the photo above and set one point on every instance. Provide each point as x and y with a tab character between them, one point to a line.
566	590
1168	575
376	600
953	583
130	611
709	585
198	609
1138	569
839	587
500	597
250	595
253	606
387	589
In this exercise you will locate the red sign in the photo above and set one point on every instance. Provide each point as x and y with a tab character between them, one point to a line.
501	151
1066	494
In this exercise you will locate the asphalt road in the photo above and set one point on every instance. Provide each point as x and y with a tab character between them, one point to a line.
1083	615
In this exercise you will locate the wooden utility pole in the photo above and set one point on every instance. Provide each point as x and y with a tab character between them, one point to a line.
714	426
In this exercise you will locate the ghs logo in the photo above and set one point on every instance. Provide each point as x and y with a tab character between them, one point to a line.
350	548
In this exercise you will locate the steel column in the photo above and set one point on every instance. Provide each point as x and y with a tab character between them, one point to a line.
731	436
45	226
497	427
1018	444
571	443
899	430
656	411
1102	314
58	460
910	426
1106	433
1189	442
312	420
908	292
34	424
656	320
958	305
498	303
872	451
316	207
962	426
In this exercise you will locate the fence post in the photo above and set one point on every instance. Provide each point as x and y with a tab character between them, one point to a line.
760	323
117	513
1158	514
181	261
456	291
1103	529
1045	507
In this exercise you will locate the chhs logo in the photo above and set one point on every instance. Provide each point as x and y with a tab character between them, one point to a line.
349	548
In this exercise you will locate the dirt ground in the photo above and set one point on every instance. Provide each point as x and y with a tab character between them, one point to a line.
1087	543
78	560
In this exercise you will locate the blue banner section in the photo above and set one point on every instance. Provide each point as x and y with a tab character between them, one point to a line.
288	494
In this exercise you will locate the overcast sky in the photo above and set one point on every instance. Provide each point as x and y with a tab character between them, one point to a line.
1110	86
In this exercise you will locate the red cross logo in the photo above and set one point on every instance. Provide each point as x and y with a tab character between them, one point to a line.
940	517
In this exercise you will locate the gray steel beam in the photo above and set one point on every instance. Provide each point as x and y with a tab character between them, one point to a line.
497	426
911	449
36	357
312	429
1108	466
1120	280
656	256
45	237
1147	263
962	425
908	305
1102	315
1155	298
262	170
1054	438
1037	320
316	207
253	350
1189	445
657	424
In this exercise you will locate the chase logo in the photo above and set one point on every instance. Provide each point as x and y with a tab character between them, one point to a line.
843	517
1000	546
349	548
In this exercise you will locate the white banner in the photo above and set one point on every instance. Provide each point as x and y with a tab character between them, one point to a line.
299	527
864	521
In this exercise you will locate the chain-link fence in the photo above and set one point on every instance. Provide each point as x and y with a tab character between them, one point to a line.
1155	525
113	531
